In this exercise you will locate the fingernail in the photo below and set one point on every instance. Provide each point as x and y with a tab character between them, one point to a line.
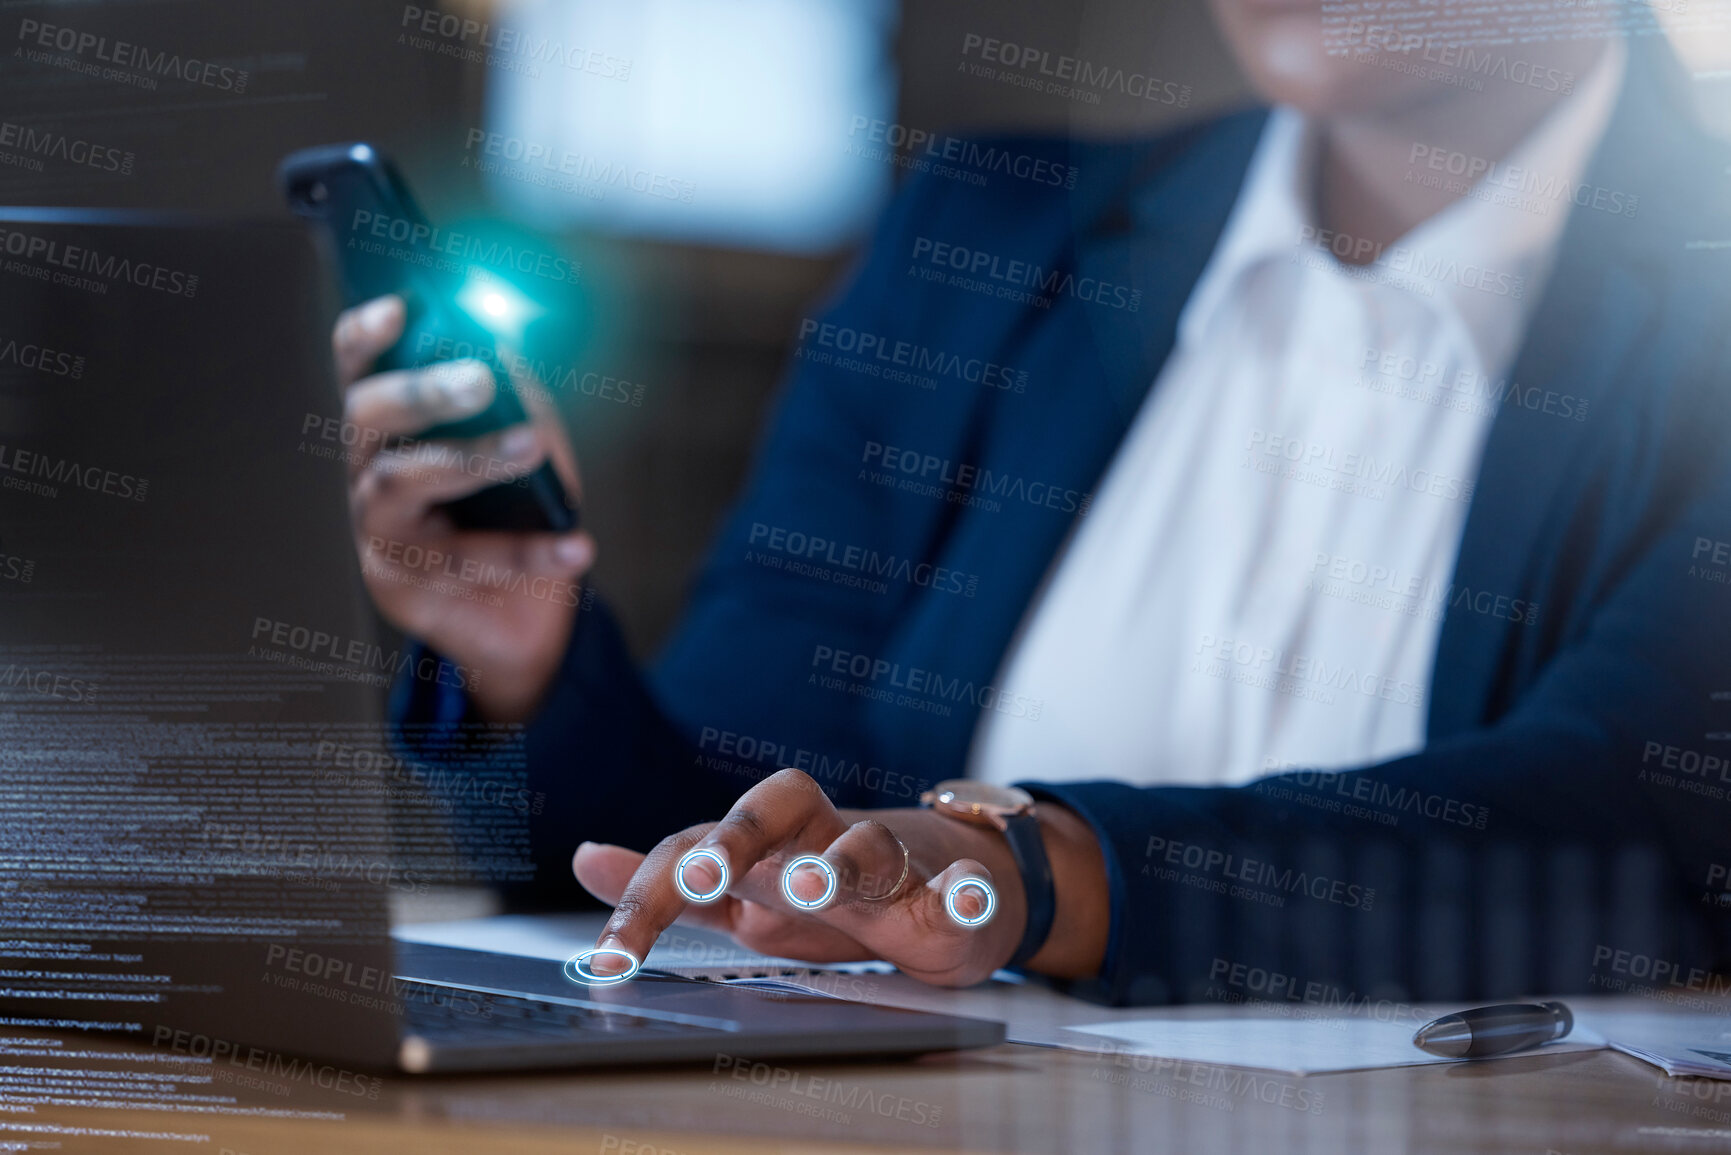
571	551
605	964
467	386
971	901
519	442
808	882
375	315
612	958
701	874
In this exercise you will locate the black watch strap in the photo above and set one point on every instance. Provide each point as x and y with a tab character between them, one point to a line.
1022	832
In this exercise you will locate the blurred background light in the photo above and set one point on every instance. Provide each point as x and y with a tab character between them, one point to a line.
730	126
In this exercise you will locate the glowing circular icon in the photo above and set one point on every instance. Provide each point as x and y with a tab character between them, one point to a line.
577	967
829	888
987	897
692	856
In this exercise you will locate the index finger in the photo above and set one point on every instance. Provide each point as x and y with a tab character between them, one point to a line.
786	812
403	402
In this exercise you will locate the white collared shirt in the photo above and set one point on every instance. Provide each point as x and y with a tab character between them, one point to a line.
1261	580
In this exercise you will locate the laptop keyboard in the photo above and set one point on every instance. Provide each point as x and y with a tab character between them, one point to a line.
460	1015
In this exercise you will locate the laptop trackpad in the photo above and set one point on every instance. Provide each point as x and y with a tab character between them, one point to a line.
650	994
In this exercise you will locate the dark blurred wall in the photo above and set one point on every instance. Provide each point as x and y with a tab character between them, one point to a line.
316	70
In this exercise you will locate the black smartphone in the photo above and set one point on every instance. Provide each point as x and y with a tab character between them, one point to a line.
379	241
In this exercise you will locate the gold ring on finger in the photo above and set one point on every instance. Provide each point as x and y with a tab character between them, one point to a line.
890	893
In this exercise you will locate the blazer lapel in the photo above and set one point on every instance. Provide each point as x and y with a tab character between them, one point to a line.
1138	222
1599	333
1157	241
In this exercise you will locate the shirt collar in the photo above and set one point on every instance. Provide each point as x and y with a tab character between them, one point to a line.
1491	231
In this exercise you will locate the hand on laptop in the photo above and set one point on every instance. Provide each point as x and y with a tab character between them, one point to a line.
451	588
877	910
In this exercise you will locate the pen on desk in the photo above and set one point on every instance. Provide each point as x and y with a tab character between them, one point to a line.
1499	1030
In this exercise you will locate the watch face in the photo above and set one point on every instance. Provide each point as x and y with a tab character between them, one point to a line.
983	795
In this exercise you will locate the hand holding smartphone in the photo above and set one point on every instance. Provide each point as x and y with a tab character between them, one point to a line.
346	190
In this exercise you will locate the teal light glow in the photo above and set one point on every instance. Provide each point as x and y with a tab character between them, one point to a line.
498	305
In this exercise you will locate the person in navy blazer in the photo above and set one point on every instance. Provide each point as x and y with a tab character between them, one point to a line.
1583	735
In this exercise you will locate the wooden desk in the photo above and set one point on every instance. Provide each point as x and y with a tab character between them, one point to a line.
1012	1098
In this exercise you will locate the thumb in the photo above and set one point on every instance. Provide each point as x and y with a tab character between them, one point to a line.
500	556
567	555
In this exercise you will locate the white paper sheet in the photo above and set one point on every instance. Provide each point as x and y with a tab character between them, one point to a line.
1681	1045
1292	1045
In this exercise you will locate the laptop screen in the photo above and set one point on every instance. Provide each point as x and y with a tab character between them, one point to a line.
205	822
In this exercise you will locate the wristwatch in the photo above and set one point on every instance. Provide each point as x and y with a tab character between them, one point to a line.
1011	811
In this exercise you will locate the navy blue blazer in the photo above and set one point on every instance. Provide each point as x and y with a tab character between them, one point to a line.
1560	811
